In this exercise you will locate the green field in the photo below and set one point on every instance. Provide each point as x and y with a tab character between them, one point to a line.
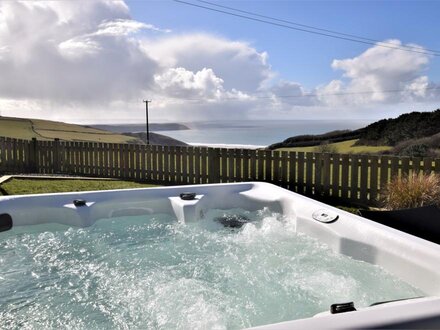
345	147
42	186
27	129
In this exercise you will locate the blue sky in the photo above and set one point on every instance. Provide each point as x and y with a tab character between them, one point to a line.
96	60
302	56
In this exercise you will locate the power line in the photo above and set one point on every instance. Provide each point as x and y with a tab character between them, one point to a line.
308	31
308	94
313	27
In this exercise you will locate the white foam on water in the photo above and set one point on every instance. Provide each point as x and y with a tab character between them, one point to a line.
227	146
152	272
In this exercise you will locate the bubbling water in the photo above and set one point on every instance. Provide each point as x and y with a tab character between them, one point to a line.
152	272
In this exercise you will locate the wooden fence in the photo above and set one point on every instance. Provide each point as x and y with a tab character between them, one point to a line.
354	178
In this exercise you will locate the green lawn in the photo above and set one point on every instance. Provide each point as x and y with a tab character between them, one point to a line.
41	186
345	147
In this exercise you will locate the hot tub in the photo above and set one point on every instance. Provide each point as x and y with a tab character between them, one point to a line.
219	256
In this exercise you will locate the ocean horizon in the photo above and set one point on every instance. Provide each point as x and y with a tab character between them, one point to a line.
241	134
256	133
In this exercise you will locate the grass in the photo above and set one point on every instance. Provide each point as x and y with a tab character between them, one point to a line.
344	147
42	186
27	129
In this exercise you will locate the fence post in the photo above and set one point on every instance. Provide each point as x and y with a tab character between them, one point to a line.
33	156
214	165
56	156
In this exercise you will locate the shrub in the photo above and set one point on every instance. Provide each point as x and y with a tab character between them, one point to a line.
413	190
424	147
415	150
325	147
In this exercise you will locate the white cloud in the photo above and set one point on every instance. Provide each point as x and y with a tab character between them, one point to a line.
240	66
88	56
125	27
78	47
381	71
288	95
78	54
179	82
90	61
418	87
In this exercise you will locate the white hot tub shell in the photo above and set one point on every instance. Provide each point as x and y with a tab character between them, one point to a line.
414	260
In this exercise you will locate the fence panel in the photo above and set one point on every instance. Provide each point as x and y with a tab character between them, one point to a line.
358	178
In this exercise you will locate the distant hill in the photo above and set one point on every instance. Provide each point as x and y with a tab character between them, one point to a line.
26	129
414	125
385	132
154	127
313	140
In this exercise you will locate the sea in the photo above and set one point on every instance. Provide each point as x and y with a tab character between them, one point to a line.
251	133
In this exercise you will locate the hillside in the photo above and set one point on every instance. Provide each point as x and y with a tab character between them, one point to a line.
314	140
414	125
23	128
408	129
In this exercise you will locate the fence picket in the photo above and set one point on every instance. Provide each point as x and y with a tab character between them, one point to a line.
335	167
384	175
374	179
253	165
354	183
190	170
172	164
224	165
203	172
231	165
427	164
198	160
326	174
293	184
268	166
178	165
276	173
416	164
301	168
310	181
284	169
363	191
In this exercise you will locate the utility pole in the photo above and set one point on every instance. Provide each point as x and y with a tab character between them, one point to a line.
146	117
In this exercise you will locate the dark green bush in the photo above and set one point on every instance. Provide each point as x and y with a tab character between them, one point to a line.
415	150
325	147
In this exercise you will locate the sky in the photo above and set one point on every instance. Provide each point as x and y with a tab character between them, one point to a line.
95	61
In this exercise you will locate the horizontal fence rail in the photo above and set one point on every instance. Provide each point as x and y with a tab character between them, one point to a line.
354	178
